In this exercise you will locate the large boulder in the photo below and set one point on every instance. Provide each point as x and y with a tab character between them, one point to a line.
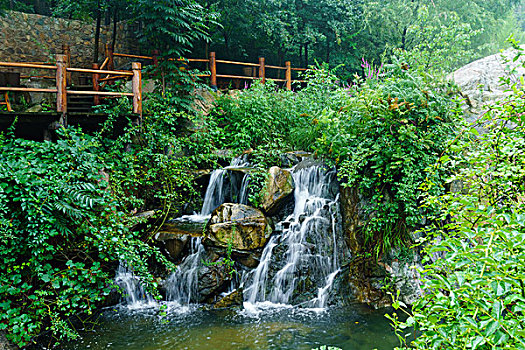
242	226
279	187
479	81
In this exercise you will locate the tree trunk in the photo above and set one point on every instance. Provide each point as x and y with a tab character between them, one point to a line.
305	55
114	38
97	33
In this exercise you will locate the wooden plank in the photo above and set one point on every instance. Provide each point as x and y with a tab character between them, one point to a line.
137	87
132	56
275	67
61	83
238	63
96	84
262	71
8	88
103	65
288	75
100	93
213	70
26	65
196	60
100	71
114	77
301	69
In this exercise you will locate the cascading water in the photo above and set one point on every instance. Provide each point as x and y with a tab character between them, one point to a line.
243	192
182	285
310	254
214	193
134	294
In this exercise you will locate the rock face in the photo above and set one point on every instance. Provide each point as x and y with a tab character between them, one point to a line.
278	189
176	234
245	227
479	81
212	280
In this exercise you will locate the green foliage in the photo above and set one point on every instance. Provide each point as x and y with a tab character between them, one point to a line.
172	26
474	294
382	138
62	230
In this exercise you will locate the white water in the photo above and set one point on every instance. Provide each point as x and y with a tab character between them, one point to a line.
134	294
309	237
182	285
243	192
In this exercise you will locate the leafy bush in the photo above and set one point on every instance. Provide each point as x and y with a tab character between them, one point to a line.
383	136
475	293
62	232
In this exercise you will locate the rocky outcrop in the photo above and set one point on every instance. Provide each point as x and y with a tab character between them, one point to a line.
176	234
212	280
479	81
244	227
279	187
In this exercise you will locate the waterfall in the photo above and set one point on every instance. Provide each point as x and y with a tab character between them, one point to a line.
182	285
214	193
134	294
243	192
308	244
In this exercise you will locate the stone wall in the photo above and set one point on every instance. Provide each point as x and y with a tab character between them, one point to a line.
36	38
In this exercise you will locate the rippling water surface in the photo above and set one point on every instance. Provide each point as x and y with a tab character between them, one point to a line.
272	328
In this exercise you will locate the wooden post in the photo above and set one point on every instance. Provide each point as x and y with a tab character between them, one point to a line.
213	71
61	78
262	72
137	87
108	52
288	75
96	84
67	52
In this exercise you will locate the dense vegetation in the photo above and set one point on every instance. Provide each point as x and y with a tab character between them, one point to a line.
394	132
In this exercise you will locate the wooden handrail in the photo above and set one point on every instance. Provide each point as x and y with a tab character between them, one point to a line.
275	67
132	56
98	93
9	88
26	65
238	63
100	71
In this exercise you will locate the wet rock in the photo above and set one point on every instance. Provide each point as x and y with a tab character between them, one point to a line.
366	281
278	189
213	279
353	217
235	298
242	226
176	234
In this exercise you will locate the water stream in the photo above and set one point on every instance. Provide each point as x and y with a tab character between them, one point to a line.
309	255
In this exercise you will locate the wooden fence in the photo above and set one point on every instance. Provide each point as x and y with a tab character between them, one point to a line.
105	73
62	76
212	62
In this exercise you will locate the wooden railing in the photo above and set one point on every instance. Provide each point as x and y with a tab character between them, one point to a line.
62	76
212	62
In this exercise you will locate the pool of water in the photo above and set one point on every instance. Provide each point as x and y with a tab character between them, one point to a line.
282	328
